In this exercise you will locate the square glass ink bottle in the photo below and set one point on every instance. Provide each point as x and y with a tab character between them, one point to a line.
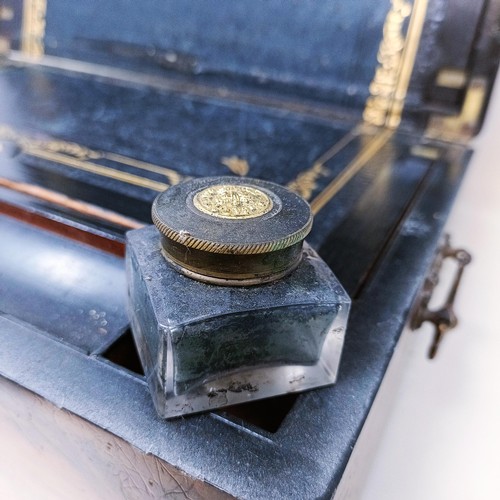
227	303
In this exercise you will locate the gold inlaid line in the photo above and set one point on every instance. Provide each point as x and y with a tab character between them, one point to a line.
98	169
338	146
305	183
358	162
410	49
77	156
173	176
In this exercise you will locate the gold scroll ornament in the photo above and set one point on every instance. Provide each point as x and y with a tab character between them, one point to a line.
396	58
33	30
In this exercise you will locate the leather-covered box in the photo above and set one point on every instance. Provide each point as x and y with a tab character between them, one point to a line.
363	108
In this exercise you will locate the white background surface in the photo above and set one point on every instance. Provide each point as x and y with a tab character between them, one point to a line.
442	440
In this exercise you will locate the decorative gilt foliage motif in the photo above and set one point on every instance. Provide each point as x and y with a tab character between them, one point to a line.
383	87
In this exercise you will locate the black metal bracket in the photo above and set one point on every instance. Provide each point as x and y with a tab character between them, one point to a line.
444	318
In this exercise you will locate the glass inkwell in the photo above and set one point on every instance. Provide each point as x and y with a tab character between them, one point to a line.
226	301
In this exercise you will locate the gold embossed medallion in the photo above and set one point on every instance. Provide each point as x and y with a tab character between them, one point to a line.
229	201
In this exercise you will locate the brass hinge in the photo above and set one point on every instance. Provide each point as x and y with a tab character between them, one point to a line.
460	127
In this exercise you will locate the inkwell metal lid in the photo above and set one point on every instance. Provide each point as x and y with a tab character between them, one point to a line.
232	230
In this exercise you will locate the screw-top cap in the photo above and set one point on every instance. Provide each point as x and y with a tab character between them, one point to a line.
232	230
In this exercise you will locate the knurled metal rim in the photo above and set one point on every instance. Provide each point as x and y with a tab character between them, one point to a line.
192	241
214	247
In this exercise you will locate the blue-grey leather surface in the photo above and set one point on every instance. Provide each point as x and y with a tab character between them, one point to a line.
323	45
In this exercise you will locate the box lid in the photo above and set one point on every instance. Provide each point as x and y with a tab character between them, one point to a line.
365	59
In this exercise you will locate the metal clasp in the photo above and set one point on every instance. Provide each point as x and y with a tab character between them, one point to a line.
443	318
